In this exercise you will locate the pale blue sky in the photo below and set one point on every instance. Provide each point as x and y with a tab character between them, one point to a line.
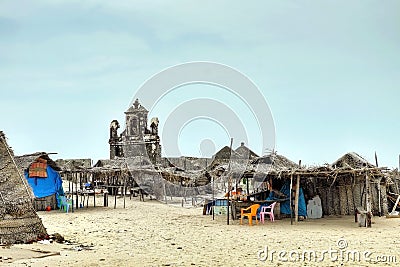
330	70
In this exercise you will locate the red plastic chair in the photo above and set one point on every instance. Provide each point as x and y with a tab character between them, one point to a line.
267	210
253	213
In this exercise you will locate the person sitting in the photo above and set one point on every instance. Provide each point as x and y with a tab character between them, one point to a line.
235	194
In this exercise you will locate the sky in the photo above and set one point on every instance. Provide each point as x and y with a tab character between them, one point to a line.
329	71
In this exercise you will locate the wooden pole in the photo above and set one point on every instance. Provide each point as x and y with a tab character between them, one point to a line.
115	196
213	197
368	199
76	192
379	188
87	180
379	198
247	186
290	199
124	188
229	182
296	202
80	187
228	199
72	193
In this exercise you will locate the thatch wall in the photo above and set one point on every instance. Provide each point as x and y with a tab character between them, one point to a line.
19	222
341	196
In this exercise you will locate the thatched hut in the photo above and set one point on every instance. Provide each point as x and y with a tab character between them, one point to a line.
245	152
19	222
187	163
68	165
270	168
43	176
348	183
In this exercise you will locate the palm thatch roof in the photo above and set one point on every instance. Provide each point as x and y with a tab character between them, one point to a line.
67	165
123	163
25	161
273	163
226	153
223	157
19	222
187	163
351	160
245	152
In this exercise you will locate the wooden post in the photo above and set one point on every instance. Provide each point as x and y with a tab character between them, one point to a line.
379	197
72	193
228	199
124	189
296	202
213	197
290	199
87	180
80	187
368	199
247	186
229	182
76	192
115	196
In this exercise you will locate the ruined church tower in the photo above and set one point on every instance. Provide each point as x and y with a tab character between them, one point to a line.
136	139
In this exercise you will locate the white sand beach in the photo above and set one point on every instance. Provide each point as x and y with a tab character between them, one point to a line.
151	233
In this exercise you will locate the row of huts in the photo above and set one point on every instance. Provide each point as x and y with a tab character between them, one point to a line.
342	186
349	183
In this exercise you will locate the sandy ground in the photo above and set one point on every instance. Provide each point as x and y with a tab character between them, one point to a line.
154	234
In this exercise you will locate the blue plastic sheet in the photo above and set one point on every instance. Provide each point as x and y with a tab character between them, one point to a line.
285	206
44	187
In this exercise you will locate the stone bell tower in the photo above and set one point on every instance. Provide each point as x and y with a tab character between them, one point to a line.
136	121
137	139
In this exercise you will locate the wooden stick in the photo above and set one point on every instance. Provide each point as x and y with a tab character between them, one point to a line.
124	188
290	199
76	191
368	199
72	193
379	197
115	197
229	181
296	203
213	197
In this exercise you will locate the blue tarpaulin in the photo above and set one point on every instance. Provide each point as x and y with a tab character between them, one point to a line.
44	187
285	206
